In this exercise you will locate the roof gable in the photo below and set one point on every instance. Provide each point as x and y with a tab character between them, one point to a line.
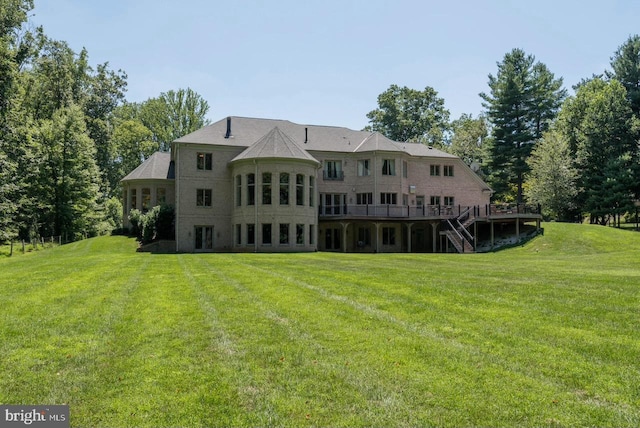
157	167
275	144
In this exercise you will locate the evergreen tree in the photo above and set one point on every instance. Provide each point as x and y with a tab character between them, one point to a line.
552	179
626	69
524	98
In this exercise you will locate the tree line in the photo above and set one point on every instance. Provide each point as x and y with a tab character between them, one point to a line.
578	156
68	135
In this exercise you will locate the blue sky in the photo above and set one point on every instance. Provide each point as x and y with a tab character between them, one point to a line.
325	62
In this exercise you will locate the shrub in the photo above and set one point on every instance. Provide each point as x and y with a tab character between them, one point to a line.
135	218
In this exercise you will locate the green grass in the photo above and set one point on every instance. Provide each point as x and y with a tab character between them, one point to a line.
543	334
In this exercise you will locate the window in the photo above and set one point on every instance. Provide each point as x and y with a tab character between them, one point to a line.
203	198
405	199
205	161
312	190
364	236
134	199
333	170
334	203
448	200
266	188
435	200
434	170
420	200
389	167
146	199
364	198
251	189
204	237
448	171
266	234
388	236
161	196
388	198
238	234
312	234
284	188
299	189
251	234
284	234
300	234
405	169
363	168
238	190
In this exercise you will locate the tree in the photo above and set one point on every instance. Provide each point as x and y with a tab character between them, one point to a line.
468	135
602	133
133	144
173	114
552	179
626	69
524	98
69	178
405	114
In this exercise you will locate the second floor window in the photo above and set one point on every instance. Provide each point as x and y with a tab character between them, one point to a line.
203	197
363	167
435	200
434	170
238	190
364	198
251	189
388	198
449	201
448	171
266	188
333	170
299	189
205	161
284	188
388	167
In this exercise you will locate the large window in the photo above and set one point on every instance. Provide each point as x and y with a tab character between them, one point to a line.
388	236
284	188
203	197
334	203
146	199
266	188
204	237
266	234
333	170
205	161
238	190
251	189
364	237
364	198
434	170
251	234
388	167
312	190
299	189
363	167
388	198
300	234
134	199
284	234
161	195
448	171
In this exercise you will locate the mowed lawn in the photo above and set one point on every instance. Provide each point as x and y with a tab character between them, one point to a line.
543	334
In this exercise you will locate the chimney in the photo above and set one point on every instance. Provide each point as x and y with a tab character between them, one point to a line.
228	134
306	135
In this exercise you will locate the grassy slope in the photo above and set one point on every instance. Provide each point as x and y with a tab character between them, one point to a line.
542	334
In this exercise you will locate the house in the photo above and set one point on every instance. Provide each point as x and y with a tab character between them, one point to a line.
263	185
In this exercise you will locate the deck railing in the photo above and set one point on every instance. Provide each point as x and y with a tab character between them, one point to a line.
425	211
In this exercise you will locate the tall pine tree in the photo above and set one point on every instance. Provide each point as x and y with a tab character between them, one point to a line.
524	98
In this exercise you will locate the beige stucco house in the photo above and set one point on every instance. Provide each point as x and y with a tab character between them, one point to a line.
262	185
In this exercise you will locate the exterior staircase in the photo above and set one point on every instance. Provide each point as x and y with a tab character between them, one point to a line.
457	233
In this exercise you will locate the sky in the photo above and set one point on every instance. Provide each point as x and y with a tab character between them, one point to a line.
325	62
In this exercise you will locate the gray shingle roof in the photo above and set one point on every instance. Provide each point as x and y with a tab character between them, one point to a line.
275	144
245	132
157	166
